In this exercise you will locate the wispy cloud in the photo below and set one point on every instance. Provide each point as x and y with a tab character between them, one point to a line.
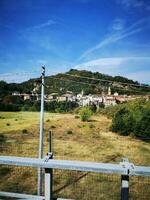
45	24
129	4
118	24
115	66
109	62
141	76
118	35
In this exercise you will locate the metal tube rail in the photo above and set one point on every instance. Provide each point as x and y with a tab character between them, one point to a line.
121	168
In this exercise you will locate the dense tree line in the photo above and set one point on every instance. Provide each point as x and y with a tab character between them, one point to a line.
133	119
15	103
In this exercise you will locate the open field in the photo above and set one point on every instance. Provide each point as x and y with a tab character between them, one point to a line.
72	139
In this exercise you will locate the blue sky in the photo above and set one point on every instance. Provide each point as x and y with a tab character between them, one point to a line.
111	37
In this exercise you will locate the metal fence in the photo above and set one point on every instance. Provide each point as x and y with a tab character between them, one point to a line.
78	180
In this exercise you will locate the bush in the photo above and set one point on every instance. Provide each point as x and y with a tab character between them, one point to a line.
2	138
69	132
76	117
8	124
123	122
133	119
91	126
142	126
85	114
24	131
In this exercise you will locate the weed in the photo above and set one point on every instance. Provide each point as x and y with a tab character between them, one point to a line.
2	117
76	117
4	171
69	132
91	126
2	138
24	131
53	126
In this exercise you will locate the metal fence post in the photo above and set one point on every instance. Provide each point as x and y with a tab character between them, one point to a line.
124	187
49	172
125	179
48	184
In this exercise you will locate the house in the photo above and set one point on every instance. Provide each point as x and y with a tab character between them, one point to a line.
66	97
51	97
109	101
62	98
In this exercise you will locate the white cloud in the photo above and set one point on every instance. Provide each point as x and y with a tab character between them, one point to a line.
129	4
45	24
141	76
118	24
114	37
116	66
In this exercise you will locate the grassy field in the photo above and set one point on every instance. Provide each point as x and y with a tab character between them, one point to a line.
72	139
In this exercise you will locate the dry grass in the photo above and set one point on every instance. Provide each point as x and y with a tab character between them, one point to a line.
72	139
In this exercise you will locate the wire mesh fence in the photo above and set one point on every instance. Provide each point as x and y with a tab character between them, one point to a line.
74	184
70	147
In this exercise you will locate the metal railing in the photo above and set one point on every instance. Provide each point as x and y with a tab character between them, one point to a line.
125	169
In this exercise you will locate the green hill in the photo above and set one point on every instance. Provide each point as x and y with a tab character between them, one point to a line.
75	81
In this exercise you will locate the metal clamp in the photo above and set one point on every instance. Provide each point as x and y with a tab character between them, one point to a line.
48	156
127	165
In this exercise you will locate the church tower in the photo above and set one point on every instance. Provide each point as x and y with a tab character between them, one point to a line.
109	91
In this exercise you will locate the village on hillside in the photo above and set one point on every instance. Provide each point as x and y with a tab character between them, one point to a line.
104	99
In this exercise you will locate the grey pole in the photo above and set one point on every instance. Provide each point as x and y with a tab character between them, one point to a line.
49	172
41	133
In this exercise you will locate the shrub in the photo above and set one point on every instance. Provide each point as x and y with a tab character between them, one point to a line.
91	126
53	126
8	124
123	122
142	126
24	131
76	117
133	119
2	138
85	114
69	132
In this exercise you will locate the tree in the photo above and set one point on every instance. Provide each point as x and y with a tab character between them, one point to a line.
85	114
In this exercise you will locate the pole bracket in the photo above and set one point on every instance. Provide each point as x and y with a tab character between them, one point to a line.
127	165
48	156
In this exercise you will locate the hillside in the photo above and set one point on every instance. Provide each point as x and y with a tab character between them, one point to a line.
75	81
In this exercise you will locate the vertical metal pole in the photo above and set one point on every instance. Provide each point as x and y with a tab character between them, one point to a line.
48	184
50	141
124	187
49	173
41	133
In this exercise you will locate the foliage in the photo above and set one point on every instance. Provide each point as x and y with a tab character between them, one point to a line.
85	114
91	126
133	118
24	131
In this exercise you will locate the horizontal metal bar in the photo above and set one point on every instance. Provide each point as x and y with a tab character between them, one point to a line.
21	196
64	164
140	171
75	165
25	196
